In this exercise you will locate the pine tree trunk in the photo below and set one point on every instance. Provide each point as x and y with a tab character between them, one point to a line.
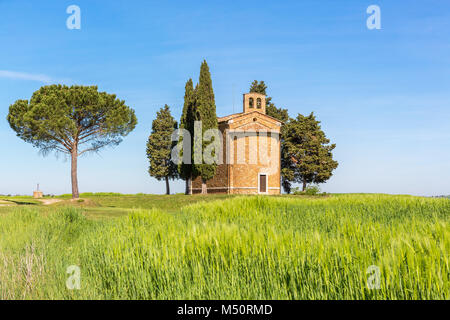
188	186
304	185
75	192
167	186
204	189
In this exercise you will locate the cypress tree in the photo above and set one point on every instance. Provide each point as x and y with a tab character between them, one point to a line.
187	123
159	147
205	111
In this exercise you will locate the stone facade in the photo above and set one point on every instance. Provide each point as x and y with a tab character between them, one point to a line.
251	152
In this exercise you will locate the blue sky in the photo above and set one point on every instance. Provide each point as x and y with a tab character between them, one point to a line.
383	96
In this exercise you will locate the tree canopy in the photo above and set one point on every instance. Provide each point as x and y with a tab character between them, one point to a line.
187	123
308	150
159	147
205	111
71	120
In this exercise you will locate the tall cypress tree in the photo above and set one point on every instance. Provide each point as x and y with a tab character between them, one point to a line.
187	123
205	111
159	147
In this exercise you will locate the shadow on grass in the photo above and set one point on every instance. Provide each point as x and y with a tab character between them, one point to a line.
22	203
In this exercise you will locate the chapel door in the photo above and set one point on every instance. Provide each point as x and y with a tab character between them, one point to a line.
262	183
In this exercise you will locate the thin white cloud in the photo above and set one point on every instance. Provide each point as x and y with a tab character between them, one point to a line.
26	76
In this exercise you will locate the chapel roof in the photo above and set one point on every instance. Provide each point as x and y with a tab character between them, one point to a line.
243	114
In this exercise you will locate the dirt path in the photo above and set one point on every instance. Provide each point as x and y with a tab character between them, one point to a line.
47	202
5	203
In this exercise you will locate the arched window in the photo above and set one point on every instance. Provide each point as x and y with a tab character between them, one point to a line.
258	103
250	102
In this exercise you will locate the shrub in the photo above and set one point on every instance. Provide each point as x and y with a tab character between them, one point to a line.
310	191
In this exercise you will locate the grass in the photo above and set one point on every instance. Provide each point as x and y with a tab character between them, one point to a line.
229	248
111	205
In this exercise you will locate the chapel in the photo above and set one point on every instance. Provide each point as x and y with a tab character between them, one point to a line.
251	152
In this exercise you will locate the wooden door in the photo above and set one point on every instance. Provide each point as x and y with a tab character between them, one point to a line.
262	183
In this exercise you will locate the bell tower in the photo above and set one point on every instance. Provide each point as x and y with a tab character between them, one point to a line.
254	102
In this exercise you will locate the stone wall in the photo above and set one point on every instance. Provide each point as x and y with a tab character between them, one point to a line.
241	176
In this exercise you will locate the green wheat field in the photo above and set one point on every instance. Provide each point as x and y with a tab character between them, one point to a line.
221	247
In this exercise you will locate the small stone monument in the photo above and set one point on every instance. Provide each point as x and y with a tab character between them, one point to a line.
38	194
